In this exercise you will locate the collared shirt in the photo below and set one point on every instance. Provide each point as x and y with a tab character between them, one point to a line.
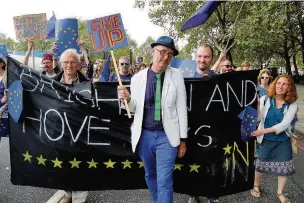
148	119
74	82
124	78
210	74
275	116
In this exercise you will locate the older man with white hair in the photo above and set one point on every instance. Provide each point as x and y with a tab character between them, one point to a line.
70	62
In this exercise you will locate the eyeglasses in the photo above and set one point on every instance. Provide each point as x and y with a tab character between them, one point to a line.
124	64
163	53
266	78
69	62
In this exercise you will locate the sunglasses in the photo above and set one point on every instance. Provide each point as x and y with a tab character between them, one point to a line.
228	66
124	64
266	78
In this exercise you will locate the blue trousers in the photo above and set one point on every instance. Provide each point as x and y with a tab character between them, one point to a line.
158	157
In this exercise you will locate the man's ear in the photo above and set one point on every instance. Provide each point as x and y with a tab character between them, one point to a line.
152	52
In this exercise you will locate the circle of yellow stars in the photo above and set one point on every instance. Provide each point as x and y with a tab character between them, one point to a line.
69	42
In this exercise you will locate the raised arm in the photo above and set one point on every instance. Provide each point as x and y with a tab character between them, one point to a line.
30	45
216	65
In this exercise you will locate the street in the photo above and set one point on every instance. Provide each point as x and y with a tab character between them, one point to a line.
21	194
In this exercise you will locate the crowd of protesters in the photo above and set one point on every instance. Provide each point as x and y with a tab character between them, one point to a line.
277	109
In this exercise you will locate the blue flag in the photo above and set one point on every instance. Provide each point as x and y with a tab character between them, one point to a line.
3	51
66	35
105	73
15	100
201	15
249	122
187	67
51	27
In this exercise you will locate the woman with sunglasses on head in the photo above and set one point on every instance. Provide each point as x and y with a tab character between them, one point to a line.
277	110
263	80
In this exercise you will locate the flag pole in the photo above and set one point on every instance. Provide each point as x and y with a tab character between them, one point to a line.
33	57
120	83
234	26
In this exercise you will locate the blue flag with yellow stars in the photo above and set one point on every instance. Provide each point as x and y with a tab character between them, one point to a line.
66	35
3	51
15	100
105	73
249	122
187	67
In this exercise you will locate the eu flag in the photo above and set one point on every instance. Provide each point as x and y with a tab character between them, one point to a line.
3	51
187	67
51	27
249	122
105	73
201	15
66	35
15	100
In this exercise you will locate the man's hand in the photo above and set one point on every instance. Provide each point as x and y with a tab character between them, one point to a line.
123	94
30	45
182	149
222	55
54	47
80	43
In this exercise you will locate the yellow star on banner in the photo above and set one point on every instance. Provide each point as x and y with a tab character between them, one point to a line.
194	167
64	31
57	163
227	149
75	163
109	164
127	164
141	164
41	160
27	156
65	46
178	166
69	28
92	163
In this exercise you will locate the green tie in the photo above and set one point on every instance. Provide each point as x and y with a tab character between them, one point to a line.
157	98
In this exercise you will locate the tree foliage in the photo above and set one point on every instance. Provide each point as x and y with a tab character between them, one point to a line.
267	33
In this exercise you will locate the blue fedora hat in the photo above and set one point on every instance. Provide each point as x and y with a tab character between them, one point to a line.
166	41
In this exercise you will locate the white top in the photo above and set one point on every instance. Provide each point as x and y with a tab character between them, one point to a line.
285	125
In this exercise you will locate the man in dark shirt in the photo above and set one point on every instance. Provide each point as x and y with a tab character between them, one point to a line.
124	70
203	58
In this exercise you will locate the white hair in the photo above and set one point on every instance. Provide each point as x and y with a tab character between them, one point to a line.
70	52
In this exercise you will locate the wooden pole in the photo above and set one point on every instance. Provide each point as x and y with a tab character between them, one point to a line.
33	57
120	83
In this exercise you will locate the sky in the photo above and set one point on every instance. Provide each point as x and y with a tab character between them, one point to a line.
136	21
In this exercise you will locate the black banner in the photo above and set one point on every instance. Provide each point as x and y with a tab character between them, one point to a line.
78	138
